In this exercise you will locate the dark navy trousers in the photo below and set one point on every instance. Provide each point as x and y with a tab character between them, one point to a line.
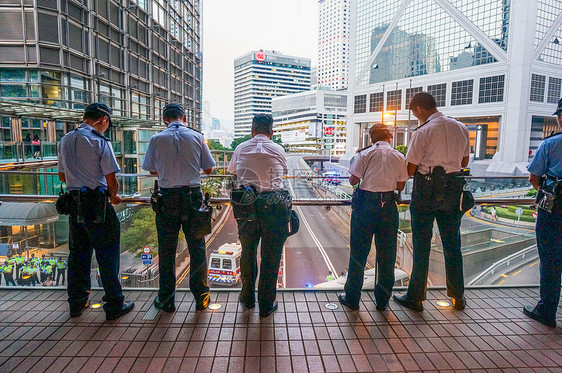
103	238
271	227
549	243
372	215
169	221
422	232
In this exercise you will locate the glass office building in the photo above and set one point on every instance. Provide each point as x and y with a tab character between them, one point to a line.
258	77
135	56
493	64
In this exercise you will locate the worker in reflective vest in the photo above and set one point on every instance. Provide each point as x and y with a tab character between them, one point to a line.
61	270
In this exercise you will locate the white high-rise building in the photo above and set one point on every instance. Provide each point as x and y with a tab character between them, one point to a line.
258	77
493	64
333	43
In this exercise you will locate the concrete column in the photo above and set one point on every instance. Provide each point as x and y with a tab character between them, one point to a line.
516	124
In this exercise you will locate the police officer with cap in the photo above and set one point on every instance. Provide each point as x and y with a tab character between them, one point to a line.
260	165
381	170
88	166
437	152
546	176
177	155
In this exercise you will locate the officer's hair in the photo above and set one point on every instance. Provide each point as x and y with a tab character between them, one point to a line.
262	124
378	132
423	100
173	113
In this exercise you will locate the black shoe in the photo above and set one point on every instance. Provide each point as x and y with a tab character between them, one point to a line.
381	306
247	305
126	308
534	314
166	307
104	299
76	312
343	300
459	303
273	309
407	302
203	303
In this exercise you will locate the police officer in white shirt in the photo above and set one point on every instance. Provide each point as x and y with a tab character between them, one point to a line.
260	164
177	155
381	170
438	150
88	166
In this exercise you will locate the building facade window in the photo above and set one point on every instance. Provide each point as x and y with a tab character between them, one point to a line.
376	102
538	83
439	92
462	92
554	86
491	89
411	92
360	104
394	100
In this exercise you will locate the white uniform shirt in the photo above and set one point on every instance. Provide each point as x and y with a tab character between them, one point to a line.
380	167
441	141
259	162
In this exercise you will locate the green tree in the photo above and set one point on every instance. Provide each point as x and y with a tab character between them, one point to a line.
141	232
402	149
239	140
215	145
531	193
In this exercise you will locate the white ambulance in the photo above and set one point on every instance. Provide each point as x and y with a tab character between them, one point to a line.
224	264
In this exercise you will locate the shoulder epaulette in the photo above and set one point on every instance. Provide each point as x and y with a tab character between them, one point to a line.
367	147
552	135
195	130
421	126
99	135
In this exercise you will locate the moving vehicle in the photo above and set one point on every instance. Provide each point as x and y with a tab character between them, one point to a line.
332	177
224	265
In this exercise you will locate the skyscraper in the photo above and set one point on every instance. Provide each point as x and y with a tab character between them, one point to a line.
494	65
333	43
258	77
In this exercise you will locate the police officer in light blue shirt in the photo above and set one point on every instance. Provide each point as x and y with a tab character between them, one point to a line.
177	155
546	176
88	166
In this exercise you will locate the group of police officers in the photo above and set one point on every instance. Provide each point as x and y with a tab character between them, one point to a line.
31	271
437	152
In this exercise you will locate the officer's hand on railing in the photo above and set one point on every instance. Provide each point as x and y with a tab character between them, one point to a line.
116	200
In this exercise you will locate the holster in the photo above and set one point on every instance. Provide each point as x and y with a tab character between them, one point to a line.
156	198
187	204
438	191
243	199
92	205
549	196
64	202
201	213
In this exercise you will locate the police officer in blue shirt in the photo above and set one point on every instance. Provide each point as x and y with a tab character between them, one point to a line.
88	166
177	155
546	176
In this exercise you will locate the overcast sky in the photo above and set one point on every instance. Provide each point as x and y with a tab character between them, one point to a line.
232	28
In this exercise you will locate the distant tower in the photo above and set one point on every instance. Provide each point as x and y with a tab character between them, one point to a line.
333	43
258	77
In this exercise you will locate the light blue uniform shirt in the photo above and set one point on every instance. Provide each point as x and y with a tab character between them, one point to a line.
178	154
85	157
548	159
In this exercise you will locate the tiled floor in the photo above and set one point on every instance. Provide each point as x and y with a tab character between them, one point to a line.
492	334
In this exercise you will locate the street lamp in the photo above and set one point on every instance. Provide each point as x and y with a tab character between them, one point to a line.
387	115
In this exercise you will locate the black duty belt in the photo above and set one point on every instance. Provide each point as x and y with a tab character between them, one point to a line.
383	196
189	188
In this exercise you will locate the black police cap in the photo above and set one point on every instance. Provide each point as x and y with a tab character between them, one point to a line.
559	109
99	108
172	106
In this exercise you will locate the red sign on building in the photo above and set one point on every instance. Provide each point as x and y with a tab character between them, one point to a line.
260	56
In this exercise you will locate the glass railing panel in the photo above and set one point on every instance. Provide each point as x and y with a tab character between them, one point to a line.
498	240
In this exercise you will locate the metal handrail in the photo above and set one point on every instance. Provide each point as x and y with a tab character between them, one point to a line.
225	200
507	259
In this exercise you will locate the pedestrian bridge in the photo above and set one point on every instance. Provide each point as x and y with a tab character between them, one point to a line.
492	334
